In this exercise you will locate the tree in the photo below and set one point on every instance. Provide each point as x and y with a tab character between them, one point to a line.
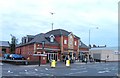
13	44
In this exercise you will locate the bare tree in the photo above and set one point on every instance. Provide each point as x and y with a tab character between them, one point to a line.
14	41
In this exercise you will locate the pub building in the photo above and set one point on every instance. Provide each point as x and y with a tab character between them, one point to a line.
56	44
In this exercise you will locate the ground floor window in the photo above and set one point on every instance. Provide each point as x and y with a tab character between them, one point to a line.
52	56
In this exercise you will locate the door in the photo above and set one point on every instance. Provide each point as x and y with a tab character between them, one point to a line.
97	57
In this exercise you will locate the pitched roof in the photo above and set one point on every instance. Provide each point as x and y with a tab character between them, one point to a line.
38	39
59	32
82	45
45	37
41	37
4	44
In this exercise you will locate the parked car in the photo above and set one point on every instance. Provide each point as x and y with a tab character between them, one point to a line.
16	57
6	56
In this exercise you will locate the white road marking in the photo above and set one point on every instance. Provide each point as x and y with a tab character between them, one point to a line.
1	63
36	69
9	71
46	68
25	70
101	72
106	71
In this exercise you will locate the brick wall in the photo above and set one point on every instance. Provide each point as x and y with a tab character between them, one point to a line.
7	50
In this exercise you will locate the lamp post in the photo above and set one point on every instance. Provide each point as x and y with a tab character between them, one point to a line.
89	35
52	21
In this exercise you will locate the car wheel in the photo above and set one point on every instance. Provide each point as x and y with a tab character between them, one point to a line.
13	58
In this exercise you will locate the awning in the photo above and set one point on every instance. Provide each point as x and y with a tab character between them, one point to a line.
50	49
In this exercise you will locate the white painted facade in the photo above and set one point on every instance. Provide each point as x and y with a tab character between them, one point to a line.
107	53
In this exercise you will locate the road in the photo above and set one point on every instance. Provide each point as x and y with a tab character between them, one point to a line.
76	69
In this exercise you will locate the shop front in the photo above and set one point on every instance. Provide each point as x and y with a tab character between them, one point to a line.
83	55
52	56
71	55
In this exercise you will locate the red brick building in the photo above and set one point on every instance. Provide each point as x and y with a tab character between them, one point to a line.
4	47
57	45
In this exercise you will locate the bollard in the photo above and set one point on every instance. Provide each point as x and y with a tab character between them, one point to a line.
53	64
67	63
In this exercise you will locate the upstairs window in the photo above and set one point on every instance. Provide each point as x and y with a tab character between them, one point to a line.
52	38
65	41
75	43
80	43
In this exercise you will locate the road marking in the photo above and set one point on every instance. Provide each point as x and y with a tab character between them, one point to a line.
101	72
36	69
25	70
106	71
76	72
1	63
46	68
74	69
9	71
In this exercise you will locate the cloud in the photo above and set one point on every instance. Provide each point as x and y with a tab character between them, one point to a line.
22	17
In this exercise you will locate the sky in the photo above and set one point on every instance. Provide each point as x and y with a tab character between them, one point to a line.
31	17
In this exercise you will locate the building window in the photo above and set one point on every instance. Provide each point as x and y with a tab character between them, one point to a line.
75	43
80	43
52	38
65	41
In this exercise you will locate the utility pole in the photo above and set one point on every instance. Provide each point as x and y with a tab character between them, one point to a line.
52	18
90	35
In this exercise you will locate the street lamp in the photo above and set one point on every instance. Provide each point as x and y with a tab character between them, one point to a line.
89	36
52	21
